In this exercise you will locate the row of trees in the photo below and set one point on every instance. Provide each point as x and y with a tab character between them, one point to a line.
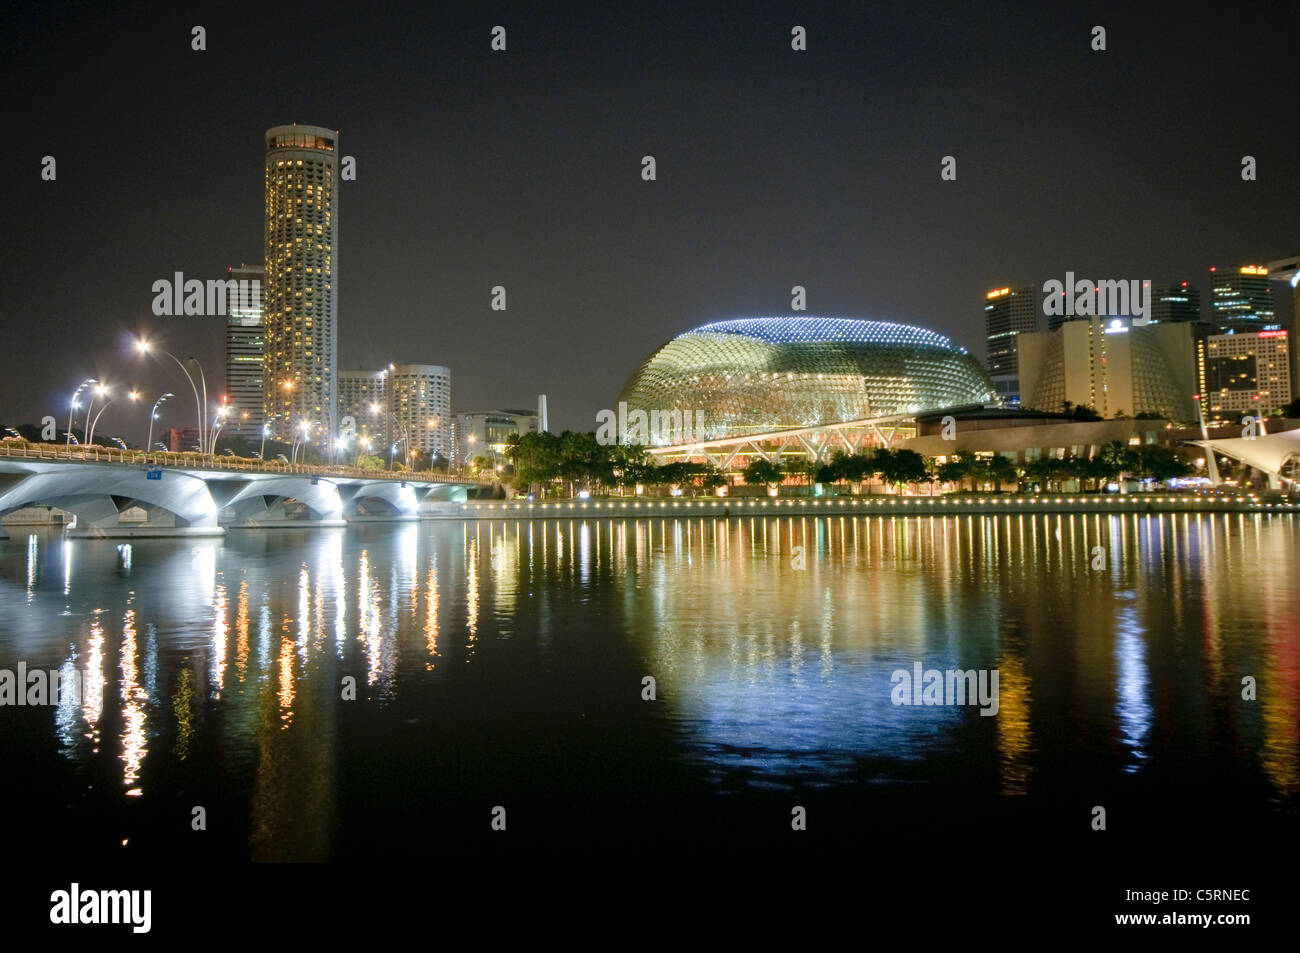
543	461
1114	462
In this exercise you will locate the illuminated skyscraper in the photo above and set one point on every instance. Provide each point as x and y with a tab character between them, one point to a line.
1008	313
244	345
1244	373
419	397
1112	367
363	397
1175	303
1242	300
300	291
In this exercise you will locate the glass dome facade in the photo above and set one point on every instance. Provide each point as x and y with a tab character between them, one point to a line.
754	375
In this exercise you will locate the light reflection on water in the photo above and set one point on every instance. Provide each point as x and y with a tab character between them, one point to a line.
772	676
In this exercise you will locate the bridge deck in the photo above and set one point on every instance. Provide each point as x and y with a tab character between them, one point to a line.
195	461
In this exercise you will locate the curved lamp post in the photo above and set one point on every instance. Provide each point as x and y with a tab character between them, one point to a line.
305	427
73	405
144	347
217	424
393	449
90	437
153	415
99	391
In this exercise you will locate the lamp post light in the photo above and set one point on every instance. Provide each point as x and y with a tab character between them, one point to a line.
90	437
203	385
144	347
218	423
73	405
99	390
305	427
393	449
266	432
153	415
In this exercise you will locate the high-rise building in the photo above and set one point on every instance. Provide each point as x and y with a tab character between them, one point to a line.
1179	302
244	346
1242	301
1285	274
419	400
1112	367
363	397
484	433
300	288
1008	313
1244	373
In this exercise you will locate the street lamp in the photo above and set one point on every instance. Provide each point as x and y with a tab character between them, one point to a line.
217	424
144	347
393	449
99	391
153	415
73	406
90	437
305	427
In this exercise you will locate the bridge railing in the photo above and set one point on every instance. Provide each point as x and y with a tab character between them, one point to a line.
196	461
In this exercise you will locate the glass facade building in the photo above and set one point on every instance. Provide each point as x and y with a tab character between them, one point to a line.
244	346
755	375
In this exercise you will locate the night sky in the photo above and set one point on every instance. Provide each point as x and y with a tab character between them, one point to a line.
522	169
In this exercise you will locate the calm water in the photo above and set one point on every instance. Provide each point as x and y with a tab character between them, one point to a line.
502	664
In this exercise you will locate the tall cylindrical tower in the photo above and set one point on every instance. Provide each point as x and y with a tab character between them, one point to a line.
300	291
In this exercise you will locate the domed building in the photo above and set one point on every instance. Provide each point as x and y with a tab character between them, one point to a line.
757	375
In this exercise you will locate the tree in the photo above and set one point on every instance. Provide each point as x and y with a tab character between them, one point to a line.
897	467
760	472
712	479
833	470
960	465
1041	471
1113	462
1161	464
1292	409
1000	470
800	469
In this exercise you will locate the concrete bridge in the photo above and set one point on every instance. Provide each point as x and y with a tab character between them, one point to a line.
124	494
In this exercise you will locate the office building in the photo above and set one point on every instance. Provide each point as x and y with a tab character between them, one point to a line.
1244	373
244	345
1008	313
1179	302
1112	367
300	288
1241	300
1285	274
484	433
419	401
363	403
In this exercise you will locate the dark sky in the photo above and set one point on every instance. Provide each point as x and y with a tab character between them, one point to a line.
522	169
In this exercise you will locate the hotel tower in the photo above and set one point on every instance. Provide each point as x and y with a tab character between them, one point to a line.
300	290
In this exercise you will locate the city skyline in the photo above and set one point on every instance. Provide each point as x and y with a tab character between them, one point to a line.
561	217
652	437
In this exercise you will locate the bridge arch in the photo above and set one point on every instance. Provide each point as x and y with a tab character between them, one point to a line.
176	504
